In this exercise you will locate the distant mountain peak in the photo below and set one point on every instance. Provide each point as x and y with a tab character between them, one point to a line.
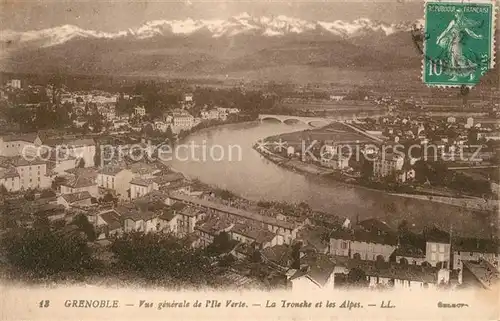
243	23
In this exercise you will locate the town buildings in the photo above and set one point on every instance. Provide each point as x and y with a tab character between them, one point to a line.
83	150
31	173
115	179
181	119
387	164
363	244
21	144
80	184
140	111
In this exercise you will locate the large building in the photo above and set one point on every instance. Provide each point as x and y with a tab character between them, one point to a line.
17	145
10	179
80	184
115	179
83	150
370	240
14	83
32	174
387	165
182	119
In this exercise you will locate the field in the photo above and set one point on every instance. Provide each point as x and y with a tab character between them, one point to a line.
337	132
482	173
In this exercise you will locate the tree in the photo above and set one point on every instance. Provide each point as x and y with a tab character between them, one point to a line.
356	277
296	255
169	134
108	198
221	244
161	257
227	261
46	193
42	223
226	194
97	157
41	253
366	167
57	182
3	190
256	256
81	163
30	195
85	226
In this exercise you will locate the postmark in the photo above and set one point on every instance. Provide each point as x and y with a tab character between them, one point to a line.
459	42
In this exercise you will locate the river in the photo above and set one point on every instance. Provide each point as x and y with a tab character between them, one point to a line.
245	172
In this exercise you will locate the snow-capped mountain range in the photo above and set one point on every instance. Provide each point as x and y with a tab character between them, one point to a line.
243	24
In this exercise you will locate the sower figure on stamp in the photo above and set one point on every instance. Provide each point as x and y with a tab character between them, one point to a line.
453	40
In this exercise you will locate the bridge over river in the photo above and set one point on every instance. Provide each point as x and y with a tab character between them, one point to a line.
320	122
311	121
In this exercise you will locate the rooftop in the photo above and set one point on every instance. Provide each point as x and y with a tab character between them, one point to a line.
17	161
112	219
111	170
137	215
396	271
87	171
28	137
79	182
191	211
213	225
259	235
168	178
409	251
141	181
278	254
8	173
314	236
232	211
142	168
476	245
373	224
70	142
75	197
320	268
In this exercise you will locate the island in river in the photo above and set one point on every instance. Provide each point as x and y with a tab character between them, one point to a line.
257	178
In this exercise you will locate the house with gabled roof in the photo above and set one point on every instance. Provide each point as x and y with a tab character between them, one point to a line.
210	227
13	145
115	179
363	243
278	256
10	179
260	238
79	184
398	276
79	148
109	224
475	249
317	272
141	186
79	198
187	217
32	171
409	254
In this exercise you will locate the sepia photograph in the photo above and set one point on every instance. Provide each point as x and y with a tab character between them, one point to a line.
213	159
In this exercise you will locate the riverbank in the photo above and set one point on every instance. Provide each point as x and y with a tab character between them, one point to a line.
472	203
214	123
292	164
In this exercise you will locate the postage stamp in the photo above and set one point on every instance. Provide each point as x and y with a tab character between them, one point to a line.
459	42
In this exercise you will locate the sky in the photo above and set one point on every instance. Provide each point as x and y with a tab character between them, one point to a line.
115	15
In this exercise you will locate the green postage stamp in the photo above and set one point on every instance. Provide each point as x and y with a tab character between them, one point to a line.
459	43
